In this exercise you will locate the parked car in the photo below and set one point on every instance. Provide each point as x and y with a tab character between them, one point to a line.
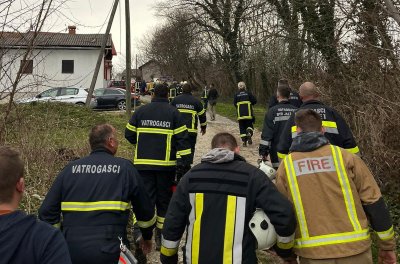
113	98
61	94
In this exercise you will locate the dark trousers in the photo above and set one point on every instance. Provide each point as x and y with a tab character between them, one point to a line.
98	244
158	185
205	103
245	124
192	140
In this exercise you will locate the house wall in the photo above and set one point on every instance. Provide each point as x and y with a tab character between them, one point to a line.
150	69
47	65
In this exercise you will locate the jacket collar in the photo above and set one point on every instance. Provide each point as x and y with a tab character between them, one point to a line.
312	102
160	100
101	150
308	141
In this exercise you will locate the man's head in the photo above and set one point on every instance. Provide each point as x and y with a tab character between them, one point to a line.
186	88
103	136
11	176
308	91
160	91
242	86
282	93
308	120
225	140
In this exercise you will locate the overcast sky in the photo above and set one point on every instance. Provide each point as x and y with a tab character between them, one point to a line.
89	16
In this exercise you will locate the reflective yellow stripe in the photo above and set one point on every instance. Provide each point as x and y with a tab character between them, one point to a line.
188	111
154	162
168	251
160	222
249	109
346	189
294	129
201	112
285	245
57	225
229	229
94	206
180	129
281	155
354	150
184	152
194	117
155	130
386	235
130	127
196	227
203	124
168	149
329	124
192	130
294	189
332	239
243	135
147	224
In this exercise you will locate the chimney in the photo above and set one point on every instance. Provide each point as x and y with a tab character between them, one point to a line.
72	30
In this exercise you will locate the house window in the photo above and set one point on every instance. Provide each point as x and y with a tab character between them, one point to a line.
26	66
67	66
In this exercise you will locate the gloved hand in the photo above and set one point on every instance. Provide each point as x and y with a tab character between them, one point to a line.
263	151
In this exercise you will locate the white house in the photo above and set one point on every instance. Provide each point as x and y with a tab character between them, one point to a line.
53	60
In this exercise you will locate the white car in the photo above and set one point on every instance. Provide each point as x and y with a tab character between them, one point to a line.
61	94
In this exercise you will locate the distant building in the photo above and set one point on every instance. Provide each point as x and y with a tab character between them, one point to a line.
55	60
151	71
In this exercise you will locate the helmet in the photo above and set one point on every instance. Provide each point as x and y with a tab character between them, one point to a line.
267	168
263	230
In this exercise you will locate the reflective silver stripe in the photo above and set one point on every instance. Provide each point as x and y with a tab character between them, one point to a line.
239	230
346	189
332	239
294	134
285	240
331	130
386	235
190	230
275	164
265	142
169	243
281	118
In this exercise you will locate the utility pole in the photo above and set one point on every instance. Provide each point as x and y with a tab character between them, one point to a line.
101	54
128	61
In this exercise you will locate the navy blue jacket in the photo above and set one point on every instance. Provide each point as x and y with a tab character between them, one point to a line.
98	190
25	239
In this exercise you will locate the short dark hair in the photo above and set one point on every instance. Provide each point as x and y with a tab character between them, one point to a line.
99	134
308	120
284	91
186	88
224	140
283	82
11	170
161	91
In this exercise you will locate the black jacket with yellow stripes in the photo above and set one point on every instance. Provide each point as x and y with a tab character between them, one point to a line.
244	101
98	190
274	123
215	202
336	129
160	136
191	110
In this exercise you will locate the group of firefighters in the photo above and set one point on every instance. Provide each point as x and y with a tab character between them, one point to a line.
322	206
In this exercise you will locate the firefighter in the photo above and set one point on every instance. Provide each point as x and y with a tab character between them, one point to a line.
172	91
159	135
23	238
204	97
244	101
215	201
274	123
294	97
94	195
336	199
336	129
192	111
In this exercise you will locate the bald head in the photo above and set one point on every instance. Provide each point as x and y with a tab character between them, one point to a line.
308	91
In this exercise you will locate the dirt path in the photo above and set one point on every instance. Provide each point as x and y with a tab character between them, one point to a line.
250	153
